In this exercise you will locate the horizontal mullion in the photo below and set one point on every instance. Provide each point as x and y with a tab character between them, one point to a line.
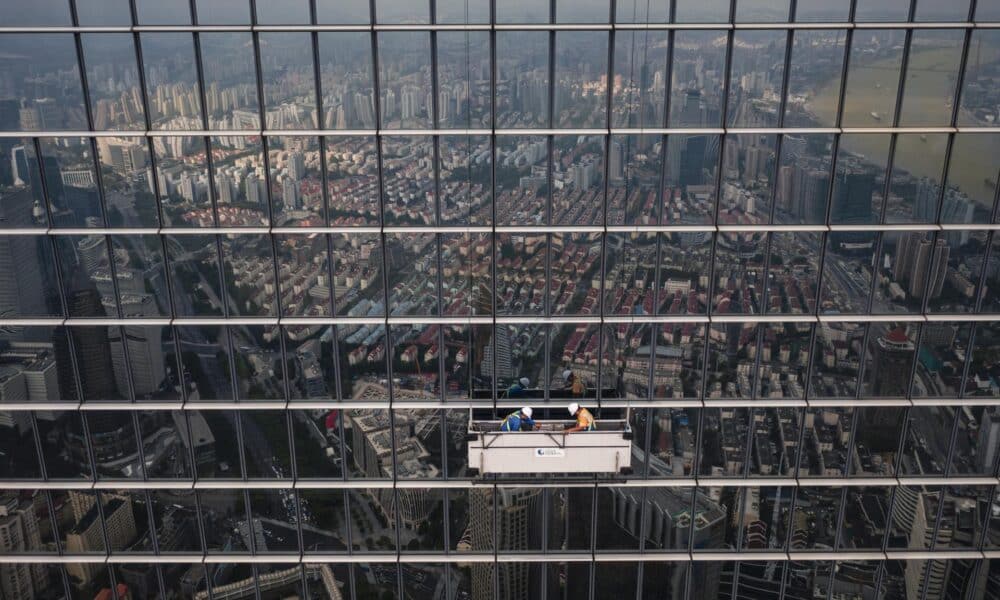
467	404
502	229
569	131
466	484
502	320
503	26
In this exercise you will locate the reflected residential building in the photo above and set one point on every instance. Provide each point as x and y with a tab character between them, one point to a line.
510	513
86	536
19	534
374	444
667	525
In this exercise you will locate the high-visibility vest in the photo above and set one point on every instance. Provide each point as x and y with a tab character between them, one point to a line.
506	425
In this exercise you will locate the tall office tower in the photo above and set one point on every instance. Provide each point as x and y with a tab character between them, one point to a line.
497	355
290	194
921	264
988	446
956	208
814	191
90	346
692	161
852	199
256	195
22	287
616	164
891	363
389	104
510	512
297	165
143	349
93	253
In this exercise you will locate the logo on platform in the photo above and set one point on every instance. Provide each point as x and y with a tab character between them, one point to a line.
549	452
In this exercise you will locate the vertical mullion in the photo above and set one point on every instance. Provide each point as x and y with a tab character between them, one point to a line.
39	449
782	107
593	539
760	327
88	112
901	91
387	331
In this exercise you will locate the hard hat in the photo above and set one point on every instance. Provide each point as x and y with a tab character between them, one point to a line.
525	381
527	411
573	407
567	373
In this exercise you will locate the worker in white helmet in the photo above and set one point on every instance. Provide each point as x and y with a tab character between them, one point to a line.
520	420
584	420
518	388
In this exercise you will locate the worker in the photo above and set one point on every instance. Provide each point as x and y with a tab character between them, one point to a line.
568	379
518	388
573	384
520	420
584	420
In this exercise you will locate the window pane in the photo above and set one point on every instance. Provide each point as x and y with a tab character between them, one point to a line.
171	80
288	12
814	77
761	11
872	79
230	81
182	181
581	79
286	61
241	185
929	89
223	12
522	78
31	104
463	79
979	91
465	180
352	180
708	11
113	81
463	11
103	13
404	75
409	192
522	180
578	179
756	78
168	12
337	12
698	68
128	182
346	79
296	180
516	11
71	182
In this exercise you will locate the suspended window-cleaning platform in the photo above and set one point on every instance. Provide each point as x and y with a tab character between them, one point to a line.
607	449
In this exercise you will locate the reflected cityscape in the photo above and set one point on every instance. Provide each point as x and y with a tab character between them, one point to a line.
261	263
